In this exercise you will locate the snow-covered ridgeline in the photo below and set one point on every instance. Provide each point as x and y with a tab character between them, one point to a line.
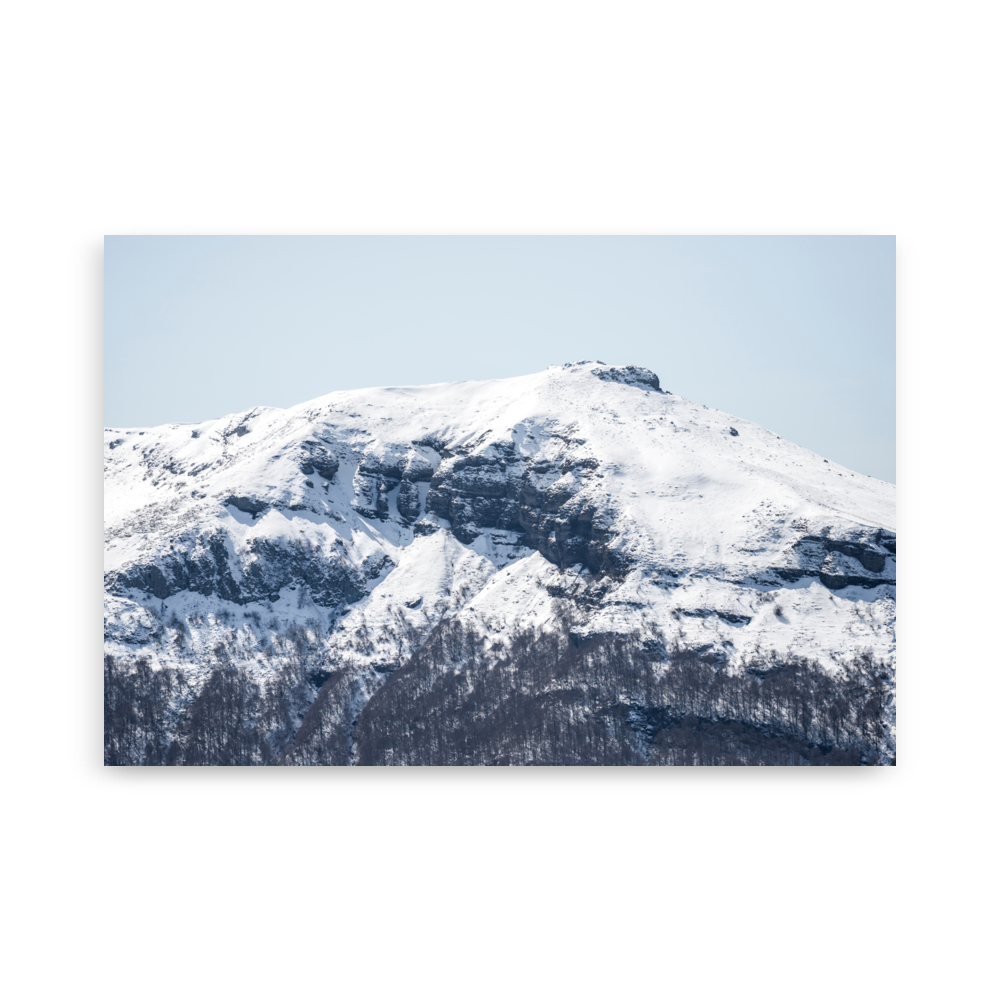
584	495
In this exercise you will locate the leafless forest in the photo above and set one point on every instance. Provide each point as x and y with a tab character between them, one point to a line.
547	699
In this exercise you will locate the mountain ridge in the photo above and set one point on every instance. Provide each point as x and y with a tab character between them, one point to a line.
584	498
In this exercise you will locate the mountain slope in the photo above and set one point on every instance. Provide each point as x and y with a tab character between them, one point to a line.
334	538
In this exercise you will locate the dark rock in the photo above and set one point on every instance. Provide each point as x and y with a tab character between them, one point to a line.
500	489
427	525
268	566
466	532
317	459
366	493
438	445
325	465
832	581
375	564
872	560
733	618
842	561
382	504
417	469
249	505
727	616
389	466
380	472
408	501
640	378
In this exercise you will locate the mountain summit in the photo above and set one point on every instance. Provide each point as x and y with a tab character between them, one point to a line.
326	557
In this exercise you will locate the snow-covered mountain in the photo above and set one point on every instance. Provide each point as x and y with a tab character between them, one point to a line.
328	542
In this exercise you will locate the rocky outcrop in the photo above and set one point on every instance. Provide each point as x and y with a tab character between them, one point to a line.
730	617
384	468
408	501
539	500
317	459
640	378
208	565
887	539
859	557
371	494
248	505
478	491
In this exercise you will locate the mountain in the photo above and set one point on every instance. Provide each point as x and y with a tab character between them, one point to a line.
570	567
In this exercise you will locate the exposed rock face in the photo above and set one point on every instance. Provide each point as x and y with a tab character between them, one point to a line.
249	505
317	459
538	499
408	501
726	616
208	566
843	556
382	469
641	378
370	494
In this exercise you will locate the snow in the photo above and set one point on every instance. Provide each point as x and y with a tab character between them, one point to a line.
701	515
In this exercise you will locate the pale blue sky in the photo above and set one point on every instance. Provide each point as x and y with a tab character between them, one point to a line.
794	333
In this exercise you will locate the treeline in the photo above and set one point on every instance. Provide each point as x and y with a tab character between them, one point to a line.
612	701
158	717
541	700
138	711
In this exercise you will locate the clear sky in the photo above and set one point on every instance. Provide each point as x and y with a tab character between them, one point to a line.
794	333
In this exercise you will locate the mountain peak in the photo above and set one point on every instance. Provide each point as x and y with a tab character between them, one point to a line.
350	530
634	375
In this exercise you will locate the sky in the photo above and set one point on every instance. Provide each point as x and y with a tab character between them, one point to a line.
796	333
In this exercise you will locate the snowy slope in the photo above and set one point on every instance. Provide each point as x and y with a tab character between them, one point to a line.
354	523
